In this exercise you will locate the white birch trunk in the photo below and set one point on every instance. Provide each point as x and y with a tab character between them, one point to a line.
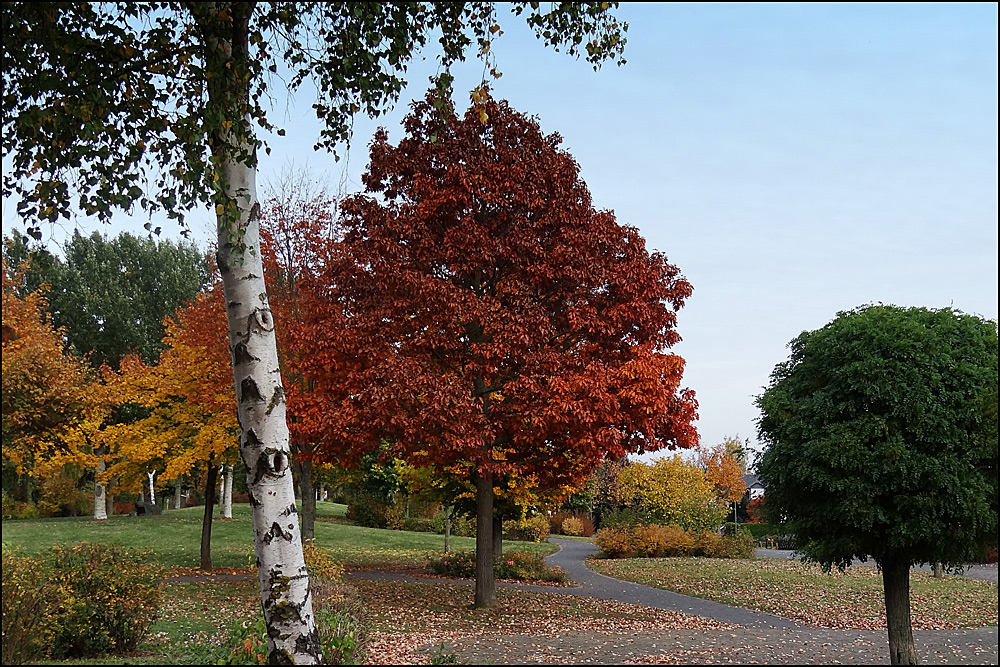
227	493
152	494
100	495
260	397
220	489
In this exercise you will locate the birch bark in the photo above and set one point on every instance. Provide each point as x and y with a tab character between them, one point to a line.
100	493
227	493
260	396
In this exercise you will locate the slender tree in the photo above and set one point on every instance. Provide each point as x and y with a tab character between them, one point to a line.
116	105
881	436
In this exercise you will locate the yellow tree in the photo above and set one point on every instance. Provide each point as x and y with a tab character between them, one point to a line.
192	413
671	491
50	397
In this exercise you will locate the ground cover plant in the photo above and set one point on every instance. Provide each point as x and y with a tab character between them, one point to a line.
803	592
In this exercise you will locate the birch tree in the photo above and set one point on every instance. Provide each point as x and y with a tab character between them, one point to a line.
155	106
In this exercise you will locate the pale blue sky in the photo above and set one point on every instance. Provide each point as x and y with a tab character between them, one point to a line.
792	160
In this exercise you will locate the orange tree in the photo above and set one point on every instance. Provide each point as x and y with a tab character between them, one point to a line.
49	396
503	320
191	419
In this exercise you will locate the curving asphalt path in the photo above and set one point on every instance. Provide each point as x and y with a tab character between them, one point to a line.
572	555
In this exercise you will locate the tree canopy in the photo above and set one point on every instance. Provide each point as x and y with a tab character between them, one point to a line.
881	439
111	296
505	322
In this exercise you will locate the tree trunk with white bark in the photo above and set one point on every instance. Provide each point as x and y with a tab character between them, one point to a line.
260	396
100	494
227	492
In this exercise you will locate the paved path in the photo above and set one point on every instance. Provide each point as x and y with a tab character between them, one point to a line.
762	639
571	557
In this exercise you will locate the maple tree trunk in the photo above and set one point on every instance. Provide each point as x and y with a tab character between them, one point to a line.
177	493
227	493
896	584
939	570
100	493
206	521
308	495
260	397
486	592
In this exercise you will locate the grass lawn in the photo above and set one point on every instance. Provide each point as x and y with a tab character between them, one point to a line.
175	536
852	600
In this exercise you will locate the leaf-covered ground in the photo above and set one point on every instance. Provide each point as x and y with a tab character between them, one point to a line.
851	600
409	615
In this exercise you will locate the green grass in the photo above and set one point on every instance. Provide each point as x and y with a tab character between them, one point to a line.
788	588
175	538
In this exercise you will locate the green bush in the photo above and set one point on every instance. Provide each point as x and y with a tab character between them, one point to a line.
26	600
106	599
520	565
526	566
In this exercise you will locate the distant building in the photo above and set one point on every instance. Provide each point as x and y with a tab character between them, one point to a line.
754	488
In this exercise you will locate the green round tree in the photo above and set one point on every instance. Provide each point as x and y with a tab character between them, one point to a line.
881	442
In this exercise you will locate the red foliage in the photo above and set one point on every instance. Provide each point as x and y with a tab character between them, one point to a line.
754	510
481	311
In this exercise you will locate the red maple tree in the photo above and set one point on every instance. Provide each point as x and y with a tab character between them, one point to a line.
496	319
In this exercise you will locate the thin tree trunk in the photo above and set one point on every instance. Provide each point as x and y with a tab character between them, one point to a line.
260	396
177	493
110	498
939	570
486	592
308	495
896	584
206	522
152	493
227	493
447	528
100	493
497	536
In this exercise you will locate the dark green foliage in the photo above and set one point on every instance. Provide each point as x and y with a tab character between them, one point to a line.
111	296
107	105
881	435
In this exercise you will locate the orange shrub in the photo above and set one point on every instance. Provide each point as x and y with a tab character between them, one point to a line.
615	542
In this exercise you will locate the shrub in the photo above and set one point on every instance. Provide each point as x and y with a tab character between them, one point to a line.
107	597
320	563
61	497
616	542
572	526
533	529
421	525
8	505
26	510
26	598
526	566
520	565
571	523
655	541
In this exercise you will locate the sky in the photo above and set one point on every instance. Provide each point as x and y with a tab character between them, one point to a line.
794	161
